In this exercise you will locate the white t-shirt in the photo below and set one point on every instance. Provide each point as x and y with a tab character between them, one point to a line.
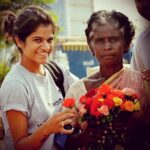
141	52
36	96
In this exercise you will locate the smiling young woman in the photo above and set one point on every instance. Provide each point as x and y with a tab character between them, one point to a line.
30	100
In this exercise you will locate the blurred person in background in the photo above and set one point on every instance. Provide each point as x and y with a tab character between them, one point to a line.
141	51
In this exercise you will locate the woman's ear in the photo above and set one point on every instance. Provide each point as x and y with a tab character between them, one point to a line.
19	43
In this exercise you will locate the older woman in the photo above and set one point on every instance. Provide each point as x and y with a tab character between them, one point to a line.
109	34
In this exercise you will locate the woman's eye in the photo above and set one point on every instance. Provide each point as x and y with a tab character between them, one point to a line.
50	40
114	40
37	40
100	41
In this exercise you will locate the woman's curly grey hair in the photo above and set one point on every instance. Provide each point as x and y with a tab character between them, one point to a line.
117	19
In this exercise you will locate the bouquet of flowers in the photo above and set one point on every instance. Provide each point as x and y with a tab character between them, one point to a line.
105	108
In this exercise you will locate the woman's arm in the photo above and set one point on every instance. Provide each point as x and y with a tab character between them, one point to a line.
18	124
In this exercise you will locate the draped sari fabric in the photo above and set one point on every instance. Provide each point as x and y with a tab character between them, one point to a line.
127	78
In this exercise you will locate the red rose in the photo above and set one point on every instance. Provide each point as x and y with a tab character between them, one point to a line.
104	89
83	99
94	108
69	102
109	103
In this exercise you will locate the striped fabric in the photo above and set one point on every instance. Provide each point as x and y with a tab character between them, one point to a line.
75	46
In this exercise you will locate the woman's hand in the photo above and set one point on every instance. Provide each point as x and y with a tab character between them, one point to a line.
56	123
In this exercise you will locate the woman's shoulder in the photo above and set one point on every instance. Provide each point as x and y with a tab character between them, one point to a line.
131	72
14	77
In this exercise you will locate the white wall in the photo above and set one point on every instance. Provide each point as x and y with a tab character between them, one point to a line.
125	6
78	13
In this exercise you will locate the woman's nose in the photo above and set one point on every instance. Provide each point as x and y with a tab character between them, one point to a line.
107	46
46	46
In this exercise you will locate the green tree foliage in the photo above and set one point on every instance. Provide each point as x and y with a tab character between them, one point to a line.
14	5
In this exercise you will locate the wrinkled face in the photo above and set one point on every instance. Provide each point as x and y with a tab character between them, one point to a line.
107	44
38	45
143	7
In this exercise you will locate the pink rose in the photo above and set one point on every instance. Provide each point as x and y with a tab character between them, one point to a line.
104	110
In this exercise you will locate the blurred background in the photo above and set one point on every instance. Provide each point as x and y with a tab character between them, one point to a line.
71	16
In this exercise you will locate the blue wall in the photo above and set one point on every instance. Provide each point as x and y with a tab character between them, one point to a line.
79	60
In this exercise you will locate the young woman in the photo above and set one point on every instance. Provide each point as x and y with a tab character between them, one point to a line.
109	34
30	101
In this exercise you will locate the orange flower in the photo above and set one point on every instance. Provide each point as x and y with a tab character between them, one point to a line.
128	106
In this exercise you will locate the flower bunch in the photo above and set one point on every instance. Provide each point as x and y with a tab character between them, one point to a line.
103	108
105	100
